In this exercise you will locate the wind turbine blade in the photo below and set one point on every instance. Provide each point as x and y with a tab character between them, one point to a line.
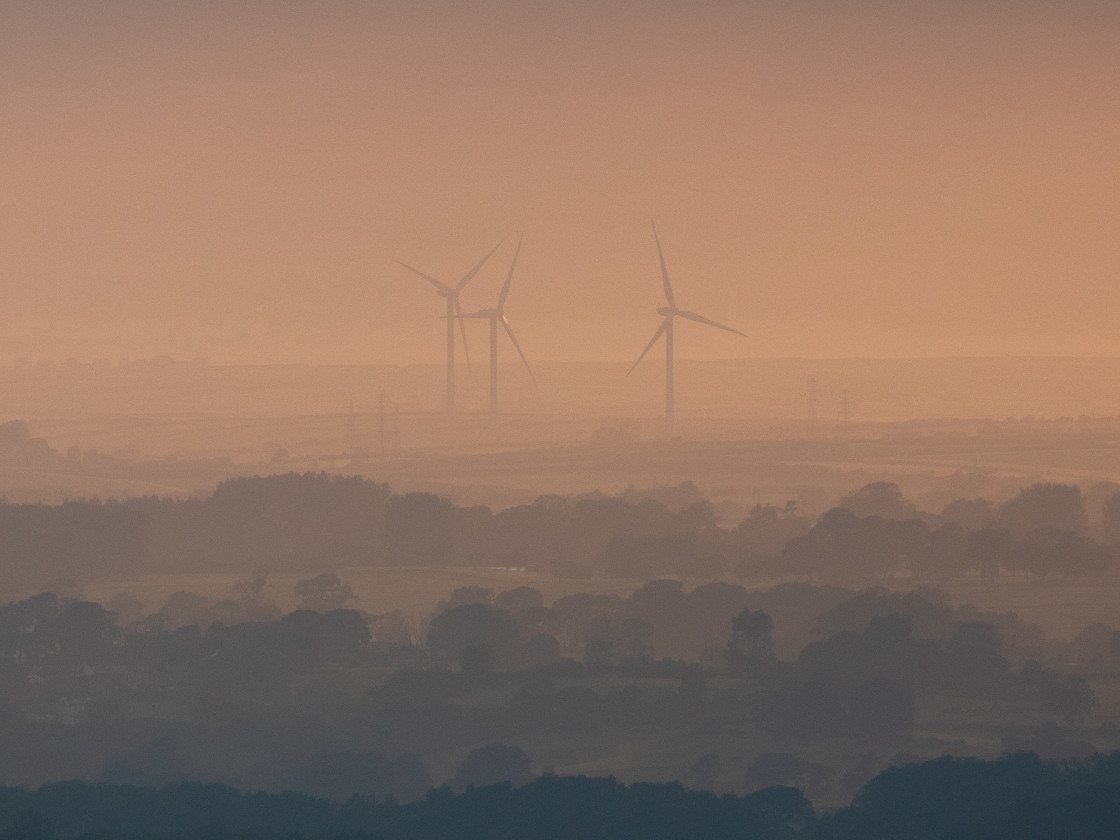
443	287
463	331
664	326
664	270
480	314
509	277
692	316
517	347
467	277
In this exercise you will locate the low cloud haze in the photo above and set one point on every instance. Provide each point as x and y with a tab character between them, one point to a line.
840	179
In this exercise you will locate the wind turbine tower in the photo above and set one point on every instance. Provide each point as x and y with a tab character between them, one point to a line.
497	316
669	312
451	295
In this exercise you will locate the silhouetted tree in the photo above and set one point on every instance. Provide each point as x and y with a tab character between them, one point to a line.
419	530
942	556
82	633
29	825
1046	552
783	768
341	774
1056	506
1071	699
1110	520
599	656
702	773
492	764
989	550
458	629
974	663
323	593
880	498
844	547
750	649
471	595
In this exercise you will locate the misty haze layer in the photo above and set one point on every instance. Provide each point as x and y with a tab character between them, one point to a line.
857	178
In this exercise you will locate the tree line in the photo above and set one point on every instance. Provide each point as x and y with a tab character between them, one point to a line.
316	521
343	703
1016	796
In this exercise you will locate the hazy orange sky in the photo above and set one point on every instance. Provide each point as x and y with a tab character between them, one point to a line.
236	180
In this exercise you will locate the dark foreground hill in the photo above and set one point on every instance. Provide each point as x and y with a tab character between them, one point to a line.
1018	796
550	807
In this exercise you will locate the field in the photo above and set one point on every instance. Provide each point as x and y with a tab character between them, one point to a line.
416	592
1060	609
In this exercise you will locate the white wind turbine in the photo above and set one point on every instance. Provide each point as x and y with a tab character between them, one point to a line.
497	316
670	312
451	295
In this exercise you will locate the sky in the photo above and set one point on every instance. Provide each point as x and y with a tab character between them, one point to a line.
237	181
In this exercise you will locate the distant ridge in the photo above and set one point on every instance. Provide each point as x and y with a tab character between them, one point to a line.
887	389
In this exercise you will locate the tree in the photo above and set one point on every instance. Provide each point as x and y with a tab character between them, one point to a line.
419	530
323	593
540	649
975	663
989	550
83	633
880	498
783	768
1049	551
766	530
342	774
1071	699
472	626
476	660
491	765
702	773
751	645
942	555
29	825
644	555
598	656
126	608
843	546
1110	520
472	595
1057	506
312	639
22	639
182	610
